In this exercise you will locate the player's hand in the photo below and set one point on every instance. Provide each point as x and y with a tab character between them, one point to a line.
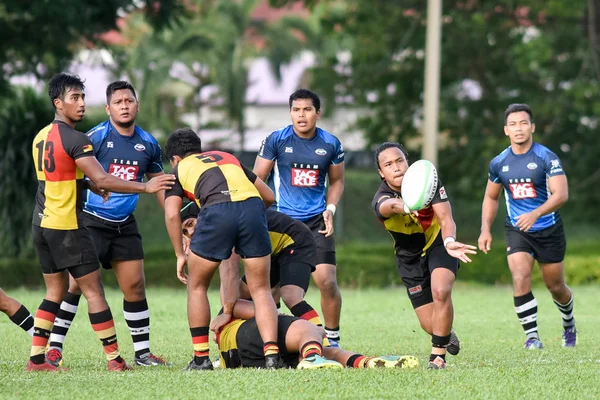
160	182
460	250
328	218
526	221
485	242
105	194
181	262
219	322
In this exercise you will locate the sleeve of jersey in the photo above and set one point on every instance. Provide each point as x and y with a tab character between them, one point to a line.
156	163
440	194
76	144
177	189
553	165
338	156
378	199
268	148
492	174
249	174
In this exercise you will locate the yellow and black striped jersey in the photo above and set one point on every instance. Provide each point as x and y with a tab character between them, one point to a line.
412	235
213	177
61	191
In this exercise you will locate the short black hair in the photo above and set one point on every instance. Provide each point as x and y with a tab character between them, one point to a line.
118	85
518	107
190	210
388	145
182	142
60	83
306	94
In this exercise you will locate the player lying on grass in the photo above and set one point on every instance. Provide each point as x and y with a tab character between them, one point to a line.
300	343
292	260
427	252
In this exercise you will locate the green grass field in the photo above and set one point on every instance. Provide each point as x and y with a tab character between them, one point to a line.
492	363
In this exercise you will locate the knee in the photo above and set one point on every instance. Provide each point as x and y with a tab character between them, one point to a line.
555	286
441	294
135	289
329	286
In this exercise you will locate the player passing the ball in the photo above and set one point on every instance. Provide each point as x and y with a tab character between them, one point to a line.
535	188
427	253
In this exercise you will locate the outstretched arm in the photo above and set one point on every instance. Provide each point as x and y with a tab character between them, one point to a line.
489	209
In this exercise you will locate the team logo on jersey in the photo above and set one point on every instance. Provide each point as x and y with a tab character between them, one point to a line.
126	172
522	190
443	194
110	145
321	152
87	148
289	149
139	147
305	177
532	166
505	168
555	166
415	290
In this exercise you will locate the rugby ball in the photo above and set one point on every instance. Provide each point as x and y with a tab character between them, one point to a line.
419	185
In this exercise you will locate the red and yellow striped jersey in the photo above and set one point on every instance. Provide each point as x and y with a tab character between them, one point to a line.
213	177
60	195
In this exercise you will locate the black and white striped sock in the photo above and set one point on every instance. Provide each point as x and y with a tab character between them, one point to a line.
137	317
566	312
526	308
64	319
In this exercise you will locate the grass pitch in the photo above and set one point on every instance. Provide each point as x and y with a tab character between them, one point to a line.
492	363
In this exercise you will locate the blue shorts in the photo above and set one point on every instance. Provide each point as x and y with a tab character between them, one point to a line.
239	224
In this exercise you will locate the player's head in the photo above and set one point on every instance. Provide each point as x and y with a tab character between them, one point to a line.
305	110
180	144
392	162
189	214
121	103
67	96
518	123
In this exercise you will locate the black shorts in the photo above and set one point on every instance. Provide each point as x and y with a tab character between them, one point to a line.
114	241
547	246
250	344
325	245
416	275
289	270
60	250
239	224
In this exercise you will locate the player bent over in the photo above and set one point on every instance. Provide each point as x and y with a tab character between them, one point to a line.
300	341
427	252
62	156
232	215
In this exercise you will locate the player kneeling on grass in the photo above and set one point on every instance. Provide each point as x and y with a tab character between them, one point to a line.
293	259
300	342
427	252
232	215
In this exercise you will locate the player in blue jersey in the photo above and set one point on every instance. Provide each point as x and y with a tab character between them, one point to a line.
302	161
535	187
127	151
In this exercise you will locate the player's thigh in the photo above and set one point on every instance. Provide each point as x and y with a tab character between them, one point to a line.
549	245
216	232
253	239
417	280
553	274
257	271
127	245
443	268
520	265
325	245
200	272
294	272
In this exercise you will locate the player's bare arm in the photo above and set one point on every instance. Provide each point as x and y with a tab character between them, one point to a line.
265	192
389	206
93	170
489	209
559	188
160	195
173	223
443	213
263	167
334	195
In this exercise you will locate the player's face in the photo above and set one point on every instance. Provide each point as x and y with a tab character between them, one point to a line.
304	116
519	127
392	167
123	108
188	227
71	106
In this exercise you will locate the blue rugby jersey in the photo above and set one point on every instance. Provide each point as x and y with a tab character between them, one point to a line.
129	158
301	165
525	181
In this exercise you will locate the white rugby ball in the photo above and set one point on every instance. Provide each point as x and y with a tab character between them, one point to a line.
419	185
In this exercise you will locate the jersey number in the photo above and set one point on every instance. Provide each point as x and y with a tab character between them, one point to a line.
46	163
209	158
